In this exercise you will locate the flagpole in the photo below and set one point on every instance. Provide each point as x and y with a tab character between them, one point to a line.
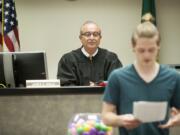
2	26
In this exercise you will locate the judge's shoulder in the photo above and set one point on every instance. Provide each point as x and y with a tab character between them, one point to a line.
107	53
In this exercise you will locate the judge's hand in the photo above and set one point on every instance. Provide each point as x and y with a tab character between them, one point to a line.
129	121
174	119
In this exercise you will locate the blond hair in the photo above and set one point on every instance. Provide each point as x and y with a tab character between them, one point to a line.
145	30
148	17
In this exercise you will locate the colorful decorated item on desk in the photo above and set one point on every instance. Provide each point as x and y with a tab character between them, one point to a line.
88	124
103	83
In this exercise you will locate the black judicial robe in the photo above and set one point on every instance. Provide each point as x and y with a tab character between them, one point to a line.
74	68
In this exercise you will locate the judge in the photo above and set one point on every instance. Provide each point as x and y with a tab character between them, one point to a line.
89	64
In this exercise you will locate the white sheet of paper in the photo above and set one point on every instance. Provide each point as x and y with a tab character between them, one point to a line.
147	111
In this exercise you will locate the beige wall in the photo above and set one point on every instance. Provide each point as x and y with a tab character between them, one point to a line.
169	21
53	26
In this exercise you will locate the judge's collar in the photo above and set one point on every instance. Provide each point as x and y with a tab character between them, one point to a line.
87	54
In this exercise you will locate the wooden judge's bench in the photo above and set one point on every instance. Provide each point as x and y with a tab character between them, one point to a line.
47	111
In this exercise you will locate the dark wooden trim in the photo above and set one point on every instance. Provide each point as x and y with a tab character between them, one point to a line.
51	91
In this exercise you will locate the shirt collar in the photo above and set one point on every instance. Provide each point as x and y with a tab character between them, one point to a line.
87	54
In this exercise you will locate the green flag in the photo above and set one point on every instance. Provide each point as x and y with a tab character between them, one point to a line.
148	11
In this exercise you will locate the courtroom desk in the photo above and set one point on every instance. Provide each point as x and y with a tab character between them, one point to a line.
45	111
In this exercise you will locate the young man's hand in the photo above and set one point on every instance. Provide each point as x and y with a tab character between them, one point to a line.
174	119
129	121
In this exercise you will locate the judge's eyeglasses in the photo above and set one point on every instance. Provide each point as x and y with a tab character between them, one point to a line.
88	34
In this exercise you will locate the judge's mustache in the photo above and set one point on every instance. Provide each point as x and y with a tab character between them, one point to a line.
92	40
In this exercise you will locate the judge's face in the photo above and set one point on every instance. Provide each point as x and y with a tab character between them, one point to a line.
146	50
90	37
